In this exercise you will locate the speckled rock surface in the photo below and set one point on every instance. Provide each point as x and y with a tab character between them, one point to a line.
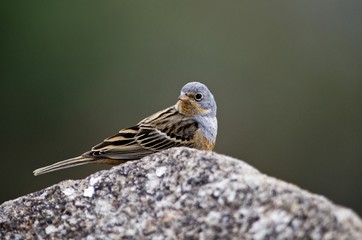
177	194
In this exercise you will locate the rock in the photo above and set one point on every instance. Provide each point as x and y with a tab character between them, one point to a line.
180	193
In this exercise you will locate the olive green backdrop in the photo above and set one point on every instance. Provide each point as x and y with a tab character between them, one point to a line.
287	77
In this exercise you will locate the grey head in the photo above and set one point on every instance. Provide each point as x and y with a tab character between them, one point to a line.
196	100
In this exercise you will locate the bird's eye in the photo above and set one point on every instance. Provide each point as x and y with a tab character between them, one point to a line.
199	96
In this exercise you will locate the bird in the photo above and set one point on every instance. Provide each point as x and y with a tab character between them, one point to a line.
191	122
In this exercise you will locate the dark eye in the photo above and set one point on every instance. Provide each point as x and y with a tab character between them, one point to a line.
198	96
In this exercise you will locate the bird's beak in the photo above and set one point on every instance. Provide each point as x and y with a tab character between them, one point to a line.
183	98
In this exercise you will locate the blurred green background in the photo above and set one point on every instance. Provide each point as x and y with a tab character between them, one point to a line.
287	77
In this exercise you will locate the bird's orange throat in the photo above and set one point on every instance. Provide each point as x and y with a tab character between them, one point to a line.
190	108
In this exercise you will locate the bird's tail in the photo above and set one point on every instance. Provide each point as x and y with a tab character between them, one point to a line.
72	162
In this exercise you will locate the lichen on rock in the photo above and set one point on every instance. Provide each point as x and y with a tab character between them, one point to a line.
176	194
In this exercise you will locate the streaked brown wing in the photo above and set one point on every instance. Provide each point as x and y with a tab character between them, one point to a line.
122	146
167	129
160	131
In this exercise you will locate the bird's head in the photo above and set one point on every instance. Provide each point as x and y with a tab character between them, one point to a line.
196	100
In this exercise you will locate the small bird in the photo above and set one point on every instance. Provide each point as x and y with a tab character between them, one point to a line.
191	122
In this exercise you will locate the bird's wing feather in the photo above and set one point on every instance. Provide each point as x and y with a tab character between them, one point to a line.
162	130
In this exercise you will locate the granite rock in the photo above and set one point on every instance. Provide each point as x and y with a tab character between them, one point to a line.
180	193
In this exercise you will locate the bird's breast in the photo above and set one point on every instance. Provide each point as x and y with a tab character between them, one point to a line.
202	142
